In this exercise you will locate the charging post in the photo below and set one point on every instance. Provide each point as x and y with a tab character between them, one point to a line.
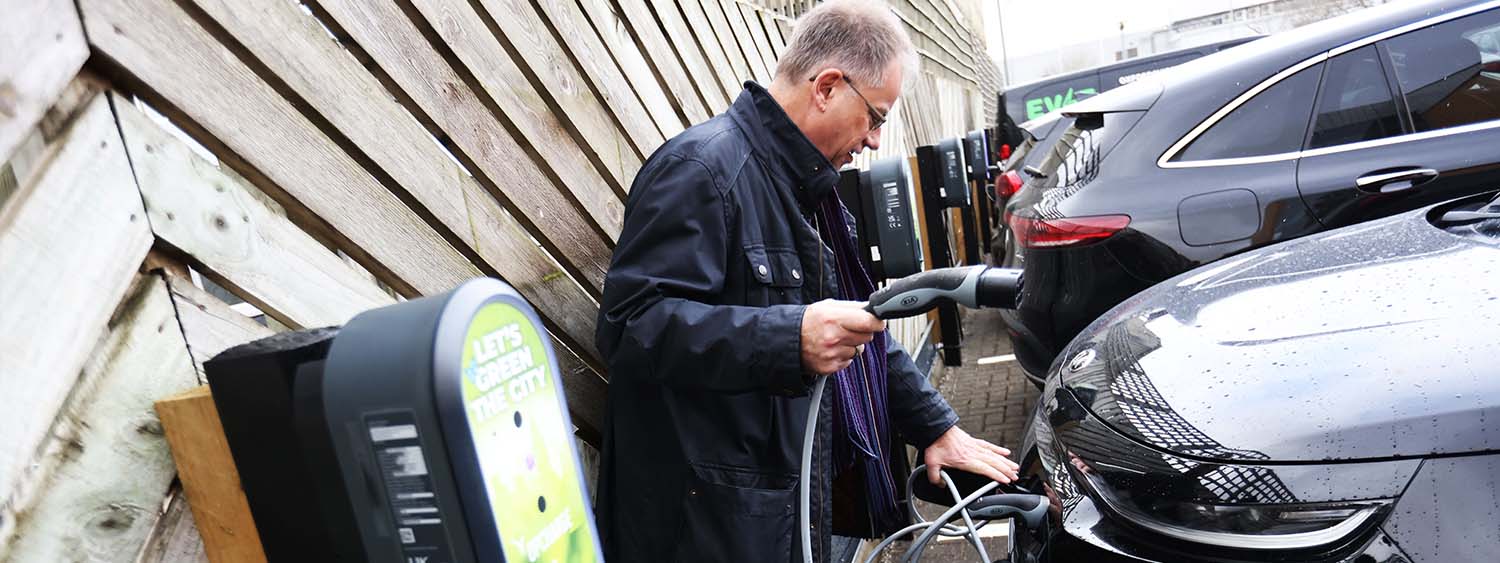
430	431
883	202
981	173
932	169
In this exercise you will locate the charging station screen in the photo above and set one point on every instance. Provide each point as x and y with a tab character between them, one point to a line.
523	440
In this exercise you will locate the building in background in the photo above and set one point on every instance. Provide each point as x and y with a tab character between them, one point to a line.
1263	18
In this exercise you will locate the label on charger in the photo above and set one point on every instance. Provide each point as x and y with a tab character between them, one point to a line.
408	487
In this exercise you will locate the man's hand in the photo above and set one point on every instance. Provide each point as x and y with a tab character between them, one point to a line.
956	449
833	332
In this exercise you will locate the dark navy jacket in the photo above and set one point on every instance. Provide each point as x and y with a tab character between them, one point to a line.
700	325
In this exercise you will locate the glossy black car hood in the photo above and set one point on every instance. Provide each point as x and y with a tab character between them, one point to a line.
1376	341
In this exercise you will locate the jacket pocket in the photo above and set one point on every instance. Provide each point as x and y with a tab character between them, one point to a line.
734	514
778	275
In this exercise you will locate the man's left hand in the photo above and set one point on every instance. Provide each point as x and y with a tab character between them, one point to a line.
956	449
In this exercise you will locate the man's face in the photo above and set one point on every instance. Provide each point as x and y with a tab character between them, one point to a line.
851	109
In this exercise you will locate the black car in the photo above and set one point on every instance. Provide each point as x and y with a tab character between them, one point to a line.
1350	119
1333	398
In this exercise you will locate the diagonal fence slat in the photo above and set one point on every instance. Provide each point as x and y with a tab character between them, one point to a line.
191	74
710	80
597	62
340	90
707	18
497	125
752	39
216	218
69	247
633	34
543	61
41	48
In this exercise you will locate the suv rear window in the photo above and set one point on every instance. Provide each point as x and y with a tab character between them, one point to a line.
1273	122
1073	159
1450	72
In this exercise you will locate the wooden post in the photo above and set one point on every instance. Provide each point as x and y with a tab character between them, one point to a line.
209	477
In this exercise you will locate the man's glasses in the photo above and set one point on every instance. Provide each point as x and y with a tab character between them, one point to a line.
877	119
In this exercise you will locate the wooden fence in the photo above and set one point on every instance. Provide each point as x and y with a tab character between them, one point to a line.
181	176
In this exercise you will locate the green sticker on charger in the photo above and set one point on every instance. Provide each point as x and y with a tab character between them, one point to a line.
522	439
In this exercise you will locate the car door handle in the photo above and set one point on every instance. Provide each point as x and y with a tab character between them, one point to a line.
1397	181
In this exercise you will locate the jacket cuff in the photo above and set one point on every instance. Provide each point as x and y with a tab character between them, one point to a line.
778	344
936	418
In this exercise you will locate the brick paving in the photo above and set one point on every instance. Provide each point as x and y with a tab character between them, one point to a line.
993	401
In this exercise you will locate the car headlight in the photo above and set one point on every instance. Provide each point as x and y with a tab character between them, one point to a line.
1260	526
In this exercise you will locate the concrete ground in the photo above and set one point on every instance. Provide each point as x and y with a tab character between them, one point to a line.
993	400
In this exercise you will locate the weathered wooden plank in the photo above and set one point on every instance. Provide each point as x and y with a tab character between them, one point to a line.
498	153
216	217
208	324
742	36
69	245
104	469
481	85
209	476
639	102
785	25
522	33
41	48
632	33
267	260
297	49
695	61
292	44
772	26
699	33
745	67
750	18
207	86
732	72
658	76
940	30
936	34
174	538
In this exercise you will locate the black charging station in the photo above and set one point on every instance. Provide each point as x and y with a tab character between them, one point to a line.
430	431
883	201
954	187
932	168
981	173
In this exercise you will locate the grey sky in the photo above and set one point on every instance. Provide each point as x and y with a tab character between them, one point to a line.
1033	26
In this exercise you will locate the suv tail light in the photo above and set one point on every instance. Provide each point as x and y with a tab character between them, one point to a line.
1004	152
1058	233
1007	185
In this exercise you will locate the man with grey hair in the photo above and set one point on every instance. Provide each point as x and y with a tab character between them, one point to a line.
734	286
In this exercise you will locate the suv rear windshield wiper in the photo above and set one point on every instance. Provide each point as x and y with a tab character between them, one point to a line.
1490	210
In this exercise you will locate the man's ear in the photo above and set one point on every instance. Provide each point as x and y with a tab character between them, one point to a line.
823	84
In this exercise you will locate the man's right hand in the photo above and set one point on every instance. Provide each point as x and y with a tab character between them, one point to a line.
833	332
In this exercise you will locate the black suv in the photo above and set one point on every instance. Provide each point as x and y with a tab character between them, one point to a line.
1334	398
1342	121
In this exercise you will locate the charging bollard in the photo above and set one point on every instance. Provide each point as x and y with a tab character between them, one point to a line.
930	169
883	202
955	173
981	172
435	430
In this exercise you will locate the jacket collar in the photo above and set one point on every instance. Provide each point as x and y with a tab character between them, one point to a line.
781	143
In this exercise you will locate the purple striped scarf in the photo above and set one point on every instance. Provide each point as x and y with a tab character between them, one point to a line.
861	422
